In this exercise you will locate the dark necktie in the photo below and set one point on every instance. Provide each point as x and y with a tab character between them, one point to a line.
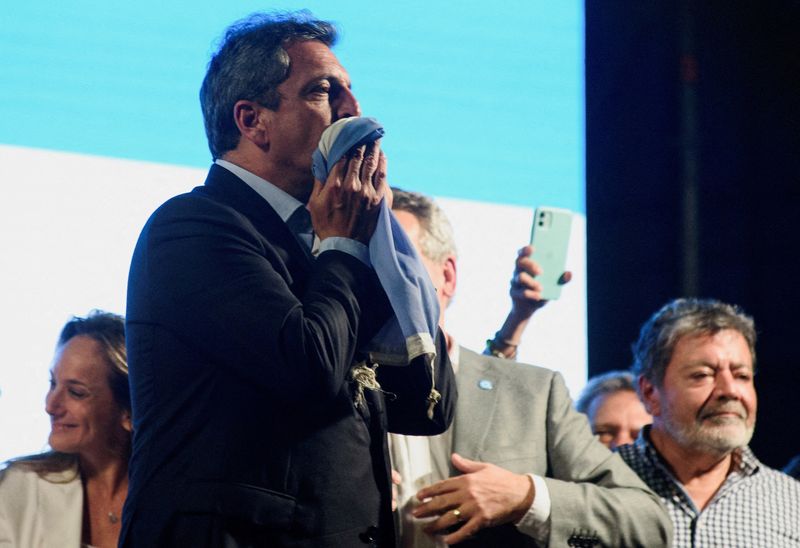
299	223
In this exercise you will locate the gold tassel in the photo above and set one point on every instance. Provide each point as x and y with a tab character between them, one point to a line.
364	377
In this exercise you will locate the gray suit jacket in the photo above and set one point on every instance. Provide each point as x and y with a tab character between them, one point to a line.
520	417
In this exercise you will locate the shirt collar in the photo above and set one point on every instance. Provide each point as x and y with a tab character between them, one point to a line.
746	462
453	352
645	446
283	203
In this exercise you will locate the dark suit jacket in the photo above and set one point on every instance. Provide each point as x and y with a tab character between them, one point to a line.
240	347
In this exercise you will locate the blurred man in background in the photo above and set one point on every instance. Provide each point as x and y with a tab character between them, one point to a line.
615	412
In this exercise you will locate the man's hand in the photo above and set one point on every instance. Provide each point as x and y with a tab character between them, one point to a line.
485	496
346	204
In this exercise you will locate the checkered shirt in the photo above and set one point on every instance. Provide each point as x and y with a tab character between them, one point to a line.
756	506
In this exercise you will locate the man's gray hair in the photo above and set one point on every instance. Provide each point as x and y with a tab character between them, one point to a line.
681	317
610	382
436	241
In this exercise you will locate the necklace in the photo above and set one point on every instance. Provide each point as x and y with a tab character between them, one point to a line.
112	517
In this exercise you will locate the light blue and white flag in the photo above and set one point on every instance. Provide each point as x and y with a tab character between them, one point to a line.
412	330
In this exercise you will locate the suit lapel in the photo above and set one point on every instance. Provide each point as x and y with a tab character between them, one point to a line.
227	188
478	384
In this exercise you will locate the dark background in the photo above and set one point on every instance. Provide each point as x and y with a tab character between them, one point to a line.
693	180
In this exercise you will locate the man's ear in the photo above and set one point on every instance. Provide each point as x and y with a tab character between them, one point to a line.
650	395
449	286
250	118
127	423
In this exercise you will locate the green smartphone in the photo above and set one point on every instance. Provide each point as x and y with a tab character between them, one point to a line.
550	239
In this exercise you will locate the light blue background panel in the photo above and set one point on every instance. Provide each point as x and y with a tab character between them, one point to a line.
481	101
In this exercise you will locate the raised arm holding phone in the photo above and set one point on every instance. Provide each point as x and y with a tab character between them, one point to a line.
532	286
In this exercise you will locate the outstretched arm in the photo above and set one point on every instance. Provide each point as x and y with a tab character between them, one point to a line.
526	298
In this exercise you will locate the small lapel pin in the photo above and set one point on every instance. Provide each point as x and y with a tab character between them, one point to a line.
485	384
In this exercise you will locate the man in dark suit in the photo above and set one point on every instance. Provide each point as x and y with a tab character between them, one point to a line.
519	466
258	421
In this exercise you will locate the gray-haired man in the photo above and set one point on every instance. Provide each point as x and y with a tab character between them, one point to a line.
695	361
519	466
